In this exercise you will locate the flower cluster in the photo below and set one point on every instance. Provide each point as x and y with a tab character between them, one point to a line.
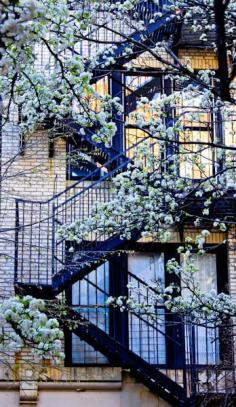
188	300
29	325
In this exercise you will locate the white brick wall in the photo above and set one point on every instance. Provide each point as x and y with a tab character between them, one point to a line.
30	176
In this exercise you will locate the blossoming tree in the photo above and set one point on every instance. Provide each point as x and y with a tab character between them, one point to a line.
156	191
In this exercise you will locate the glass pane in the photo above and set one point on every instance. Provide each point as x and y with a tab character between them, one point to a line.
196	161
149	267
137	87
88	297
101	88
206	337
82	353
192	114
207	276
146	332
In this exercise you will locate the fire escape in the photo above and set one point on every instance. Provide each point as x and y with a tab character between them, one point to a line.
46	266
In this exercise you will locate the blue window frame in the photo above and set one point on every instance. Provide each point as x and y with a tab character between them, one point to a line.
89	297
159	343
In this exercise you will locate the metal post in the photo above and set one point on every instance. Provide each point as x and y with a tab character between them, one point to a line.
192	351
16	241
116	90
53	240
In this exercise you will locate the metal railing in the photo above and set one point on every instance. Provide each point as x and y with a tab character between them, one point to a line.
39	254
198	357
145	334
112	29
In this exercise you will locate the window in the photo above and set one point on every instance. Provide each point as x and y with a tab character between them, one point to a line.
83	156
137	87
146	334
82	160
159	338
89	297
205	338
197	160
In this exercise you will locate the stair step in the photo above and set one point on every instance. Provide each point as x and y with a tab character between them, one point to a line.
164	25
117	353
76	270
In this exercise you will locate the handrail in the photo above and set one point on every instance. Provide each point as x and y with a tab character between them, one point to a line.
138	315
141	281
116	351
90	175
41	217
119	155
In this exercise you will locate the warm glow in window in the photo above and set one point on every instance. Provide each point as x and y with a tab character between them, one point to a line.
133	136
192	114
101	87
196	156
196	160
137	87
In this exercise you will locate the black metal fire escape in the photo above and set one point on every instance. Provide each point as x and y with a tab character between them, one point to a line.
46	265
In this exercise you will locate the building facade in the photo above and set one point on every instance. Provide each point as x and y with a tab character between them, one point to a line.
115	358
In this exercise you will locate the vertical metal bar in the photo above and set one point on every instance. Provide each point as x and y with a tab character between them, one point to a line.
39	240
48	241
53	242
116	90
183	351
30	241
17	225
192	349
22	240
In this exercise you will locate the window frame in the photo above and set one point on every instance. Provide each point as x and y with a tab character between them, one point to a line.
118	286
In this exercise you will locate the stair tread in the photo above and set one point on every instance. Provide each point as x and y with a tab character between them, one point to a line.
109	346
154	379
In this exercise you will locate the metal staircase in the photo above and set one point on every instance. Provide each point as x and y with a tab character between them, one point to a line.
171	355
131	339
118	354
159	23
46	265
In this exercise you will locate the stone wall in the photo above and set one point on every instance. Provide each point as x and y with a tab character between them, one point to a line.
106	394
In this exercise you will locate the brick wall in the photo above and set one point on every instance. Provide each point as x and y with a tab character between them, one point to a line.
198	59
31	175
34	176
232	261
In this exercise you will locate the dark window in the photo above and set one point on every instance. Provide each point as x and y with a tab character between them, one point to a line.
156	340
82	161
89	297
